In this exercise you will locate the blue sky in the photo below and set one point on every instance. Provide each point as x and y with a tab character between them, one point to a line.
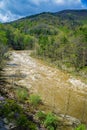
14	9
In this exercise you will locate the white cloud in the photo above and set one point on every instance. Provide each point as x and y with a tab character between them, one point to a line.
68	2
3	18
61	2
8	16
2	4
37	2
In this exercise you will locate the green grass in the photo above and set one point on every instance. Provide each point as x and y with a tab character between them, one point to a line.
81	127
21	94
35	100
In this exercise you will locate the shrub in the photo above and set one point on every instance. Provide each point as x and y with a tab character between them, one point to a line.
41	116
81	127
13	112
9	108
51	121
35	100
22	121
31	126
22	94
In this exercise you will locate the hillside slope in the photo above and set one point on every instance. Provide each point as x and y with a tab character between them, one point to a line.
77	16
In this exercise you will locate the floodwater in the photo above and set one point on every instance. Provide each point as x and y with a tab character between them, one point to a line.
62	92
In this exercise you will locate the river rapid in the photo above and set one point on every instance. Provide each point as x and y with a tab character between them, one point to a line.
62	92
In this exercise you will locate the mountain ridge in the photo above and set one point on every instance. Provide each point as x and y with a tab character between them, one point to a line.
58	14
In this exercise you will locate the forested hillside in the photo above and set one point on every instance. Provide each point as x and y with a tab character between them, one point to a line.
60	37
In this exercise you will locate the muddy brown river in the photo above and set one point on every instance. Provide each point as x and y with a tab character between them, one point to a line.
62	92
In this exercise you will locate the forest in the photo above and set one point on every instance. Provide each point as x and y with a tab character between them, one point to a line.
59	37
